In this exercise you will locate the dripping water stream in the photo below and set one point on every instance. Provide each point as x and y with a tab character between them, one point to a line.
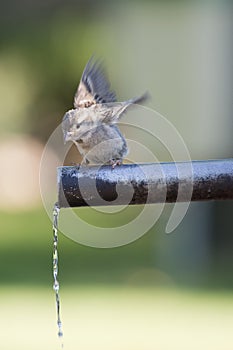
56	211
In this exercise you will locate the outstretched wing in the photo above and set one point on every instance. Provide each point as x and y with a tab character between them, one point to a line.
115	111
94	86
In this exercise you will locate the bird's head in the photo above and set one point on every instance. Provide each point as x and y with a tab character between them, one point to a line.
76	124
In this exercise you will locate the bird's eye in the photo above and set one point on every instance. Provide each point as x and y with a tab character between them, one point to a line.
78	126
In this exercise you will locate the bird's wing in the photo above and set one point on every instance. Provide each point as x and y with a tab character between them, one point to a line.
115	111
94	86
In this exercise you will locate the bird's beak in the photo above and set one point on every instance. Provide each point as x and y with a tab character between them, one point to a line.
67	137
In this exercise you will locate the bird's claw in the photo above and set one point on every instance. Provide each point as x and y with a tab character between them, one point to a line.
115	162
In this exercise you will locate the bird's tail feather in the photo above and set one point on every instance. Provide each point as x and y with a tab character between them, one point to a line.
138	99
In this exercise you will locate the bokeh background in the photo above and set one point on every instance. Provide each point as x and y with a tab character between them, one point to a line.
162	291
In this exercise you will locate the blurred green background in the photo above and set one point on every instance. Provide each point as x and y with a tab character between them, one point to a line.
161	291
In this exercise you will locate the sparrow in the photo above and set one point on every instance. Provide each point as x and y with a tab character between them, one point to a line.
91	125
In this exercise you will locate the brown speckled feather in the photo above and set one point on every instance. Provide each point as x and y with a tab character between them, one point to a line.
94	86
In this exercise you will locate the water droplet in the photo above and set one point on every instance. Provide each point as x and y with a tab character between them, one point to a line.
56	211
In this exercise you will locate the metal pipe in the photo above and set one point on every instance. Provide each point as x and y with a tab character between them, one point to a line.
145	183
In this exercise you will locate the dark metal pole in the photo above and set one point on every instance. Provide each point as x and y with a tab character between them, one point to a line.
145	183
